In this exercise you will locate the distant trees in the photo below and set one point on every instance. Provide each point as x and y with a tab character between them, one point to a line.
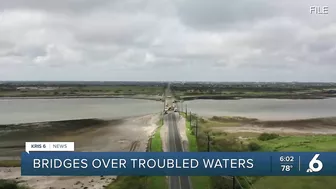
253	146
267	136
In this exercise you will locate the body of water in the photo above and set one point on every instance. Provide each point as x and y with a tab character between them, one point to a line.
265	109
14	111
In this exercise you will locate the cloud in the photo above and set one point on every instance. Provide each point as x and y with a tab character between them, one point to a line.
69	6
167	40
218	14
58	55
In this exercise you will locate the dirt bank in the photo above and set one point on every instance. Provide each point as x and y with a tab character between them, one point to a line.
164	134
321	126
118	135
260	96
181	125
279	130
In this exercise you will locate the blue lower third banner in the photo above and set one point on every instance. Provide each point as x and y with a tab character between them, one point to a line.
178	163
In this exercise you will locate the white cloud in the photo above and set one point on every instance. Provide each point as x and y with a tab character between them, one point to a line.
58	55
167	40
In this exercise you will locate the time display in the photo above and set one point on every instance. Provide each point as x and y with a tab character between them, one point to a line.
286	158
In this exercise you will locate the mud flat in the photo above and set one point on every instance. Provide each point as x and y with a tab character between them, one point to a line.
316	126
129	134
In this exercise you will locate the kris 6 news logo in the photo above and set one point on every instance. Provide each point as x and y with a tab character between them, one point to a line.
315	165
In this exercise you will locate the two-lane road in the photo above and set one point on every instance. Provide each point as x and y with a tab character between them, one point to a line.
175	145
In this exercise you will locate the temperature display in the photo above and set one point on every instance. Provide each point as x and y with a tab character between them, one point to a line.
286	164
286	168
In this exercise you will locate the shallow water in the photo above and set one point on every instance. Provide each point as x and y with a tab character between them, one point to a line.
14	111
36	110
265	109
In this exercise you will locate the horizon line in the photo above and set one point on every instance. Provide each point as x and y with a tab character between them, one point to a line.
166	81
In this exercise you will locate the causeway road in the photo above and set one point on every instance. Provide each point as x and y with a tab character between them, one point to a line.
175	145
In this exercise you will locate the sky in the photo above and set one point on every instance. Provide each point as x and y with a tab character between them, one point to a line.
167	40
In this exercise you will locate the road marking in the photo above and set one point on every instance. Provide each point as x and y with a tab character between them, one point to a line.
170	182
173	131
175	145
180	183
189	180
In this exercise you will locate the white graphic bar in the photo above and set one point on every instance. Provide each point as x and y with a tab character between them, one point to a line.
49	146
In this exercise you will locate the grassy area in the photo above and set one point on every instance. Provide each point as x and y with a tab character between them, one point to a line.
10	184
139	182
221	141
218	93
188	93
125	89
144	182
156	146
226	121
83	91
129	182
198	182
297	144
191	138
156	143
324	182
10	163
249	95
325	143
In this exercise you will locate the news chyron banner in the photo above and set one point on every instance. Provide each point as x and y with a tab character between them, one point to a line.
53	162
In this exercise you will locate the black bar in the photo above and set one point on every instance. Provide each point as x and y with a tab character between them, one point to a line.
233	182
208	142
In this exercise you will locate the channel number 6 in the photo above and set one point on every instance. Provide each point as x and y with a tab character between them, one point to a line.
312	163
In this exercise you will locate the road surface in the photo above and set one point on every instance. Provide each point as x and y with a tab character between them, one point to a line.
175	145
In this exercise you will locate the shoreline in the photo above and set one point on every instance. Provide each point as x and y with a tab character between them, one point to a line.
190	98
296	127
219	118
155	98
179	98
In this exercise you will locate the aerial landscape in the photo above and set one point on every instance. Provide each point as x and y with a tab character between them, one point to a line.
167	76
286	117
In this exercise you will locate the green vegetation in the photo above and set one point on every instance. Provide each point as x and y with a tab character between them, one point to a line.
156	142
198	182
313	182
139	182
235	96
190	91
156	146
253	146
144	182
10	163
297	144
221	141
186	91
191	138
231	119
324	143
85	91
10	184
267	136
129	182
